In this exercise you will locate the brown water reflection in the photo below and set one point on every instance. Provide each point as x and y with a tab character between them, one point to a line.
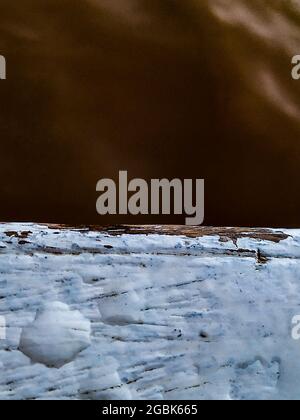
162	88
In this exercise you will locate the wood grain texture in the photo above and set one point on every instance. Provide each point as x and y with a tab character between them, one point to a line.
148	312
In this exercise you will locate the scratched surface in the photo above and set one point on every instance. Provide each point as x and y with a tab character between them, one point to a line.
148	313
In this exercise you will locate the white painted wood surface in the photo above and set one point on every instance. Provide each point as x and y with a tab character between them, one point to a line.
148	313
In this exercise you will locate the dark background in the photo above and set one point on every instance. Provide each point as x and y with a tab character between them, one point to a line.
161	88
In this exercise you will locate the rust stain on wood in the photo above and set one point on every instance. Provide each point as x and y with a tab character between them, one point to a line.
225	234
20	235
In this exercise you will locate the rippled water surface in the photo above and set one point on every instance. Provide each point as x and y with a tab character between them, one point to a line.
162	88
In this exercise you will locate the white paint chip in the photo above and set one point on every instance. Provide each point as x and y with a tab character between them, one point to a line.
56	336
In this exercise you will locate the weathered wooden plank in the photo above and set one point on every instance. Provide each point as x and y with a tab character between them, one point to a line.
148	312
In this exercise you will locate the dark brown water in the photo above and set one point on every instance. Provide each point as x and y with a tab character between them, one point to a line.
161	88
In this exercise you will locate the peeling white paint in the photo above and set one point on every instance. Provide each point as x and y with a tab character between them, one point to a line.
171	317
